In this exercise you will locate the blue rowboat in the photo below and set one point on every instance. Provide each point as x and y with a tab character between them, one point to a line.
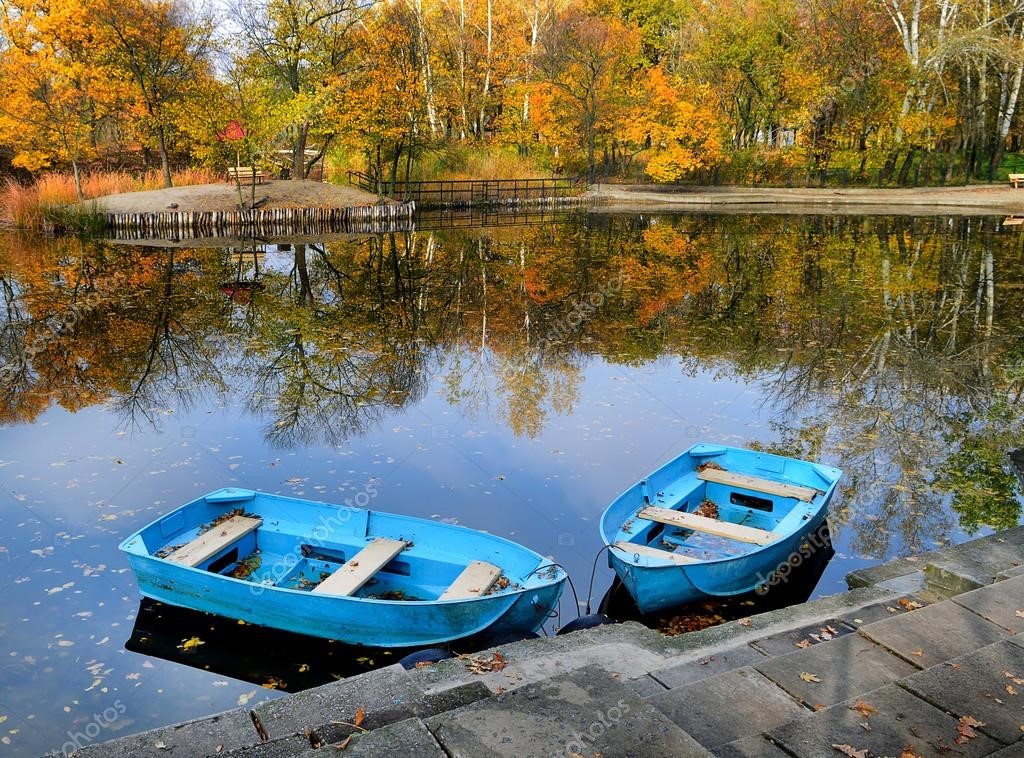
715	522
349	574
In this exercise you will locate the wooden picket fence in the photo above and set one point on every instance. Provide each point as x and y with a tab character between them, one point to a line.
262	223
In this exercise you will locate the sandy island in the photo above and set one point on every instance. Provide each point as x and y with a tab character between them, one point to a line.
224	197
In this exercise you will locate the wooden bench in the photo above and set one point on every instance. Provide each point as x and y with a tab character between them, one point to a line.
645	551
1015	180
361	567
707	525
743	481
246	175
475	580
1013	221
211	542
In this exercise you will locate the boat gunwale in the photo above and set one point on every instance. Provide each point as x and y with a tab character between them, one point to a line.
653	563
544	563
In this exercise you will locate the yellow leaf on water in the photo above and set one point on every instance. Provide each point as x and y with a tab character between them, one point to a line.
304	668
191	643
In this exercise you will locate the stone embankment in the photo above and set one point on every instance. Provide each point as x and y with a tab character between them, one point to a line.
923	656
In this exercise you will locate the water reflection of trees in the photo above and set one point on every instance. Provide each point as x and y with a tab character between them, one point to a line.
890	345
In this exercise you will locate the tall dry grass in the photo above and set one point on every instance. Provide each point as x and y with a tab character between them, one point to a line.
32	206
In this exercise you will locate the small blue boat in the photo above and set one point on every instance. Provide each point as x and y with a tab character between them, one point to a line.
349	574
715	522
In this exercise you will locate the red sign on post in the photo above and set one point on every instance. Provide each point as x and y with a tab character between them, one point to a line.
232	132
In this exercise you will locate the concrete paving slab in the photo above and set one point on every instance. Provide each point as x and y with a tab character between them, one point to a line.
757	746
899	720
884	610
585	711
206	736
934	634
1015	750
386	695
728	707
645	686
448	700
1010	573
695	669
812	634
847	667
999	603
973	564
403	739
296	746
987	685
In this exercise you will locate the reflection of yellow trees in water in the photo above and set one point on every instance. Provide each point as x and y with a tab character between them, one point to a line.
890	345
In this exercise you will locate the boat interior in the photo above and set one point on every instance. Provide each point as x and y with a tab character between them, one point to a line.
712	514
364	554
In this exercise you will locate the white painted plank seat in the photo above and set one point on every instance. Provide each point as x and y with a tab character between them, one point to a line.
475	580
767	486
718	528
361	567
212	541
645	551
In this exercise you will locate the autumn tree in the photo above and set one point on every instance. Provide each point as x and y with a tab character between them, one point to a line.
164	49
587	61
303	46
383	129
54	90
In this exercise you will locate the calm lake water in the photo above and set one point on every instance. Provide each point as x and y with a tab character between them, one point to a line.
512	379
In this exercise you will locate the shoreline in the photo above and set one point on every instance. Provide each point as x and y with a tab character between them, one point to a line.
964	201
901	660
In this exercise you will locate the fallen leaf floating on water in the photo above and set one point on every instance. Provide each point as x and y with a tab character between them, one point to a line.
864	709
965	729
910	605
303	668
809	677
191	643
851	752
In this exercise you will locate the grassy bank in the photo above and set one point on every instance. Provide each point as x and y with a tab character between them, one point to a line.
51	203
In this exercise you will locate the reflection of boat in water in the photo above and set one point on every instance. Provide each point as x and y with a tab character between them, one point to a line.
796	587
339	572
714	522
272	658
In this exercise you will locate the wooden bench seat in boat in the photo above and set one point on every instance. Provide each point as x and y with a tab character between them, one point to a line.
645	551
212	541
475	580
757	484
696	523
361	567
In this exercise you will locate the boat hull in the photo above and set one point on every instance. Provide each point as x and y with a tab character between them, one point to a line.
766	513
523	607
657	588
